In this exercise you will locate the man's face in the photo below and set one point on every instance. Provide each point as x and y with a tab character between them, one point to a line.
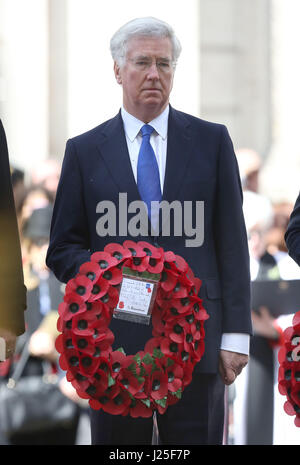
146	76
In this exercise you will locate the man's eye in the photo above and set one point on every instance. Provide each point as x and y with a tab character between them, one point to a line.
142	63
163	64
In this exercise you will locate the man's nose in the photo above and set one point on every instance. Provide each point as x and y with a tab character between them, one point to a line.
153	71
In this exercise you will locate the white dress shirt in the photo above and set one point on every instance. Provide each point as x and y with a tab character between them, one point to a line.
234	342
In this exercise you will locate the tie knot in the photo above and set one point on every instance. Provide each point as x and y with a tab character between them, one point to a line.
147	130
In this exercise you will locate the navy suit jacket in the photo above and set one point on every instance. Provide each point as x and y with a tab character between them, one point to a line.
200	166
292	235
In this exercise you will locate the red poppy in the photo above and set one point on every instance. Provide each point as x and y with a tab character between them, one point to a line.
99	289
104	260
168	280
117	358
73	304
175	373
84	344
170	348
139	259
116	401
155	257
91	270
158	384
137	409
111	298
80	285
82	324
117	251
153	343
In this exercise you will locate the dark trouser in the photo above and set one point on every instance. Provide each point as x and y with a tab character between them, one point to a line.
196	419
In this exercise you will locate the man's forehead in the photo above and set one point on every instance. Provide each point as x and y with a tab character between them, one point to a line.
144	46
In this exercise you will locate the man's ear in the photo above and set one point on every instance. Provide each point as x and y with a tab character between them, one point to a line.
117	71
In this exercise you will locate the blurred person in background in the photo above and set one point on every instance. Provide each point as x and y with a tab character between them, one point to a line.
292	235
18	185
46	174
259	417
44	294
12	289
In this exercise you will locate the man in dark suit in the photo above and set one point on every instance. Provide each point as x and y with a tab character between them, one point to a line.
292	235
12	289
194	161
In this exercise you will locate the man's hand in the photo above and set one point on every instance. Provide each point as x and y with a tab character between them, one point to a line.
9	340
231	365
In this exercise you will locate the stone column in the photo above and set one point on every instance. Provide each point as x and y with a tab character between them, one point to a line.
24	77
281	174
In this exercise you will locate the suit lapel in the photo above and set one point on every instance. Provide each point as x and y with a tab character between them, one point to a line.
113	148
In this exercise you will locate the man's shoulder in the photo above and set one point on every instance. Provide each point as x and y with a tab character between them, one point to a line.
196	121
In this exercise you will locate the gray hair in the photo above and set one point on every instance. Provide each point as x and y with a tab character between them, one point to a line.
142	27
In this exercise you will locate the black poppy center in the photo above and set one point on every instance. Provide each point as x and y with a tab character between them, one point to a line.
91	275
74	307
148	251
82	324
125	383
171	377
137	261
118	400
152	261
174	311
173	347
74	361
189	338
107	275
118	255
133	251
103	264
156	385
116	367
82	343
177	329
105	298
189	318
96	289
80	290
91	390
184	356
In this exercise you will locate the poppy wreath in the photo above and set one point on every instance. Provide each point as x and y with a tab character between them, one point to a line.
289	369
155	377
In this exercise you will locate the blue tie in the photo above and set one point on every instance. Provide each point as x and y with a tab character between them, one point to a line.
147	172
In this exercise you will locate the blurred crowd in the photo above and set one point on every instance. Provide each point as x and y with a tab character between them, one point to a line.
34	199
255	416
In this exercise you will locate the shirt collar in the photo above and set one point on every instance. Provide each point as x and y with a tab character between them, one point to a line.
132	125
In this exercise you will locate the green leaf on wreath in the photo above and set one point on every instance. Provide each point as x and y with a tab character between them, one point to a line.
157	353
137	358
146	402
147	359
111	381
162	402
170	362
120	349
178	393
132	369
